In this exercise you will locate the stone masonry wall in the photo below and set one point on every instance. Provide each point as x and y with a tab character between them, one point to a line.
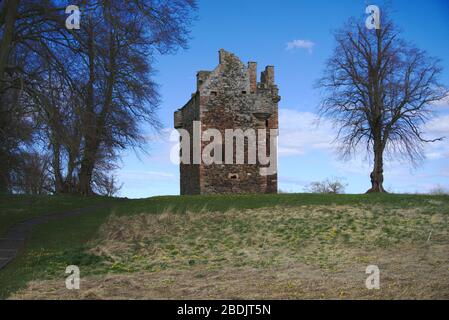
189	173
230	97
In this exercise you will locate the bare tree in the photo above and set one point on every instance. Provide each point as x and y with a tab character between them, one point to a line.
378	89
117	42
23	24
9	15
331	186
82	94
106	185
32	175
439	190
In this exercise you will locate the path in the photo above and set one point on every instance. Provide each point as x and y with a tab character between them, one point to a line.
15	237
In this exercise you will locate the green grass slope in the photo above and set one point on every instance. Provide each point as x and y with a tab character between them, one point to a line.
243	238
16	208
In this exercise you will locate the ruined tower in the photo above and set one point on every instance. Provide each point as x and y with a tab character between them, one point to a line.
229	97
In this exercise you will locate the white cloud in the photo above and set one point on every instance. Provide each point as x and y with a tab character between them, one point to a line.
136	175
162	136
285	151
443	102
301	132
301	44
436	128
400	175
359	165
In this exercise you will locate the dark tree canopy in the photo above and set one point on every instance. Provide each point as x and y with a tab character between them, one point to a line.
378	90
81	96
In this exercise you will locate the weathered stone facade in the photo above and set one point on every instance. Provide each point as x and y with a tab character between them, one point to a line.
229	97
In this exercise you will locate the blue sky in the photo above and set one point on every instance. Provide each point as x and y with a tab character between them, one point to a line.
260	31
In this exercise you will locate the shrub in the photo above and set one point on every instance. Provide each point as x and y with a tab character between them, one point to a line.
332	186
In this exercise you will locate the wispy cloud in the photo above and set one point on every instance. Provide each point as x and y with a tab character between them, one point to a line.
300	132
136	175
443	102
301	44
438	127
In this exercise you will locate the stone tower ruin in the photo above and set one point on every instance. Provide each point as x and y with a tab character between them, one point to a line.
229	97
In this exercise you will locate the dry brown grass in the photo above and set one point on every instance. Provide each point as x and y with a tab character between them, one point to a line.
282	253
406	273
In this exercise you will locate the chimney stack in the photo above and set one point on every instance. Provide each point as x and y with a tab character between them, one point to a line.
252	70
221	56
267	76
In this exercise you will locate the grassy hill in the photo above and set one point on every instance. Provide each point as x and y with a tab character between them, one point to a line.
248	246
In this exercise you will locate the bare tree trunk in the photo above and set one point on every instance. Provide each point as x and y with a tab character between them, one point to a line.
377	175
68	182
92	140
85	177
89	120
11	7
59	185
88	163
